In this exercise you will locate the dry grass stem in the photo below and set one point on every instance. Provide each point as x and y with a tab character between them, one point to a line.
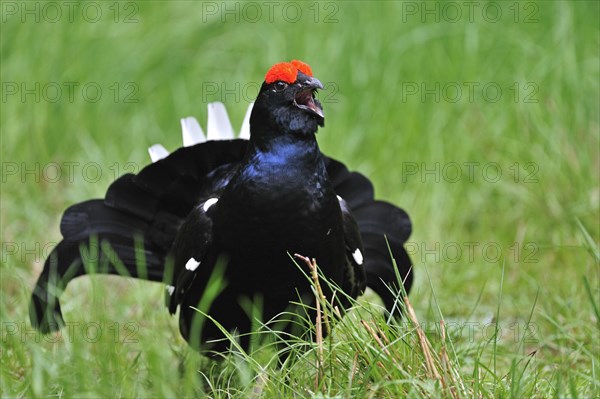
320	298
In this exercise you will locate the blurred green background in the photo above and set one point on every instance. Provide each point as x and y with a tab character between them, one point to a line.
478	118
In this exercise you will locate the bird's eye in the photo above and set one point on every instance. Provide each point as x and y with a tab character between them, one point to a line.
279	86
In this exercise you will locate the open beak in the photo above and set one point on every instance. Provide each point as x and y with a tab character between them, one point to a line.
305	98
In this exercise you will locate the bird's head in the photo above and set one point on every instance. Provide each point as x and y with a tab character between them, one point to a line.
286	102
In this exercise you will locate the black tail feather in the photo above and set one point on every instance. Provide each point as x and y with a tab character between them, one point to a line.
99	236
384	229
138	219
353	187
44	308
381	276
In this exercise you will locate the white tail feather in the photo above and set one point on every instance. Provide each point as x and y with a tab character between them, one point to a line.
219	126
157	152
191	131
245	130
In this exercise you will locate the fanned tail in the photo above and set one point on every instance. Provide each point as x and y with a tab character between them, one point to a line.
99	237
134	226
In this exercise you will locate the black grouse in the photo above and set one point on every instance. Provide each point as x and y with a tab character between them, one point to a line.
237	209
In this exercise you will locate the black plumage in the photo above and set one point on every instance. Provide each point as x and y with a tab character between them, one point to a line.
243	206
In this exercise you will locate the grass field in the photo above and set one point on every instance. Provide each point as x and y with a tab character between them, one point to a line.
481	119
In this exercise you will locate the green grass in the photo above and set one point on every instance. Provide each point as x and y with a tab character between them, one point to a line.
519	300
